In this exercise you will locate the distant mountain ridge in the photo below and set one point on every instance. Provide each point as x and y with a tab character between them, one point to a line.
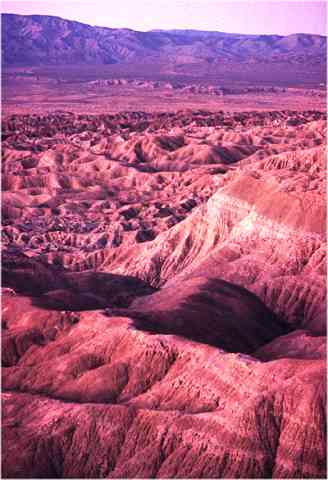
45	40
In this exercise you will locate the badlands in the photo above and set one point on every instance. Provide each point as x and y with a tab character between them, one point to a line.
163	295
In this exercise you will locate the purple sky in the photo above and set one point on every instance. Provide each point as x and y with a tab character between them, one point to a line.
236	16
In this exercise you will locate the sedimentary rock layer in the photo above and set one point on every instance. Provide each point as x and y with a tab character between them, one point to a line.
164	296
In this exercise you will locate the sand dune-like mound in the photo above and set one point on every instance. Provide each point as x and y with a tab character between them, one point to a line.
164	295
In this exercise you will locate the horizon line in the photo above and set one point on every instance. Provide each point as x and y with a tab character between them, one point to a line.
165	29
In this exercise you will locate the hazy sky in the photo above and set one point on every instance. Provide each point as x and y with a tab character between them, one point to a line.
236	16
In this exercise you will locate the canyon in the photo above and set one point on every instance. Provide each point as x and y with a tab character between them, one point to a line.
164	306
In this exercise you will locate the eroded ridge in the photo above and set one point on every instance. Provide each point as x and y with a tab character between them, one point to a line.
164	295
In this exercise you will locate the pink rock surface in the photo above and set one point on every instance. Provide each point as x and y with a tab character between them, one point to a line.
163	309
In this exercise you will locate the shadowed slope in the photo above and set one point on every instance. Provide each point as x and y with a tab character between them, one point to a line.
130	393
26	42
164	323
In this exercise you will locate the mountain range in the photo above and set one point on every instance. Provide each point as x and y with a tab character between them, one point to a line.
38	40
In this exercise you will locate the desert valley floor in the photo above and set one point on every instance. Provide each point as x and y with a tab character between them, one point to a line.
164	294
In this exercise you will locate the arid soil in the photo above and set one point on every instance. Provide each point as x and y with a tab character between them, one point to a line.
164	286
84	90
